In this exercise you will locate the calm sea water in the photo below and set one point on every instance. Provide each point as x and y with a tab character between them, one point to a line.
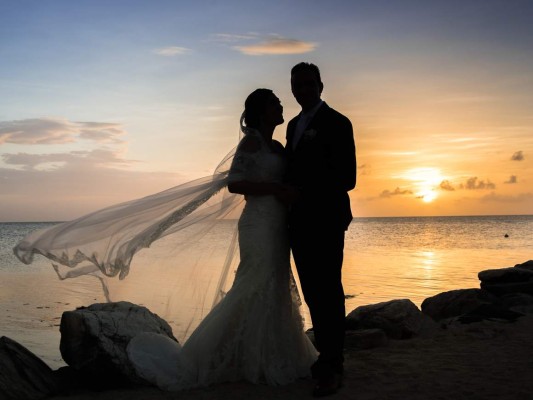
385	259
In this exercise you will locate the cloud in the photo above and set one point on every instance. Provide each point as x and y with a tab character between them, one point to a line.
272	45
171	51
512	179
474	184
65	184
37	131
461	98
230	37
387	193
100	132
463	140
57	131
522	197
517	156
73	160
364	169
276	46
446	185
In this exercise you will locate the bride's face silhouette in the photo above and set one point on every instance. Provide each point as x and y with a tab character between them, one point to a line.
273	112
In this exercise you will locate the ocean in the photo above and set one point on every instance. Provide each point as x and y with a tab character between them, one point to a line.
385	259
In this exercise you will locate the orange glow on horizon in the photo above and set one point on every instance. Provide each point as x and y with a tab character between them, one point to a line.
425	180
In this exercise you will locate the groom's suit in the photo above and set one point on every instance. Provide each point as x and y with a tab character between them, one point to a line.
322	166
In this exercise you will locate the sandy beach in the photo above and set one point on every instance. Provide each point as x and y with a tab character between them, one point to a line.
477	361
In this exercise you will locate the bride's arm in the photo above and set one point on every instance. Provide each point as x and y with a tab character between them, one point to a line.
284	193
244	170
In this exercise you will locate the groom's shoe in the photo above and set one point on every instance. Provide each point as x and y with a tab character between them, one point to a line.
327	385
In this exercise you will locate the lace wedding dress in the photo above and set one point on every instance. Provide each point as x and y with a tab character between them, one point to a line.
256	332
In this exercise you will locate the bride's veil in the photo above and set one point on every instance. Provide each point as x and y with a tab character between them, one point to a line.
184	240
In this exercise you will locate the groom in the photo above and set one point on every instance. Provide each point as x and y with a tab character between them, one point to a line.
322	167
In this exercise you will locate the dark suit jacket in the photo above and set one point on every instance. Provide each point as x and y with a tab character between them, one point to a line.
323	168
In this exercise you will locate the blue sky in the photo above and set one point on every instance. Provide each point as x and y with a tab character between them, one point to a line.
104	101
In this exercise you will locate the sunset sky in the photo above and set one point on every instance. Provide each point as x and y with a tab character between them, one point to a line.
106	101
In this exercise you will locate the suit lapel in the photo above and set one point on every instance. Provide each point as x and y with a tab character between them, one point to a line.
313	124
290	134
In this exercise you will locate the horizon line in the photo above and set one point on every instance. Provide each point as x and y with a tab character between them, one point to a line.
354	218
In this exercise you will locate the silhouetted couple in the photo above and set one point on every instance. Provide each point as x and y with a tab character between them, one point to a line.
296	200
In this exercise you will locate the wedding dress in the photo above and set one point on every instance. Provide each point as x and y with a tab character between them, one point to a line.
255	331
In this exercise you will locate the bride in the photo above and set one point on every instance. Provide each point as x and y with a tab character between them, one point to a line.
255	332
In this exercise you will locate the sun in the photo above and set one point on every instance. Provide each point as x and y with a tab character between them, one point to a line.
427	196
425	180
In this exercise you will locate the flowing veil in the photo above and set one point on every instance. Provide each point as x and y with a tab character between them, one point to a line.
184	240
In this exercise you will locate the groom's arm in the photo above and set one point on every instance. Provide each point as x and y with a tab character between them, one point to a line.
340	154
344	156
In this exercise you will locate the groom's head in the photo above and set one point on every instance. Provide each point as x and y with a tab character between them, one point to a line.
306	84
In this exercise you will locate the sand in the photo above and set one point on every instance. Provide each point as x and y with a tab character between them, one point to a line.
478	361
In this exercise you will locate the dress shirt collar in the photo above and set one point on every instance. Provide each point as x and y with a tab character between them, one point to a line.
311	113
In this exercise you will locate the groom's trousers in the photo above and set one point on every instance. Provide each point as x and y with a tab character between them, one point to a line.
318	254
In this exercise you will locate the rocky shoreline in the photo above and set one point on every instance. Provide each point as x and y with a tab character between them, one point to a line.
459	333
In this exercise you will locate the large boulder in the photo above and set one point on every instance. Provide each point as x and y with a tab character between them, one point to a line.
23	375
517	279
526	265
455	303
94	338
506	275
518	302
500	289
399	319
493	311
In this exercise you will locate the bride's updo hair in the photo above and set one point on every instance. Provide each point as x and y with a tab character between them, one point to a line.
254	106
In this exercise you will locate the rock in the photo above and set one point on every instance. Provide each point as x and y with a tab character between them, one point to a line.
23	375
94	338
455	303
526	265
365	339
518	302
517	279
399	319
489	312
506	275
500	289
